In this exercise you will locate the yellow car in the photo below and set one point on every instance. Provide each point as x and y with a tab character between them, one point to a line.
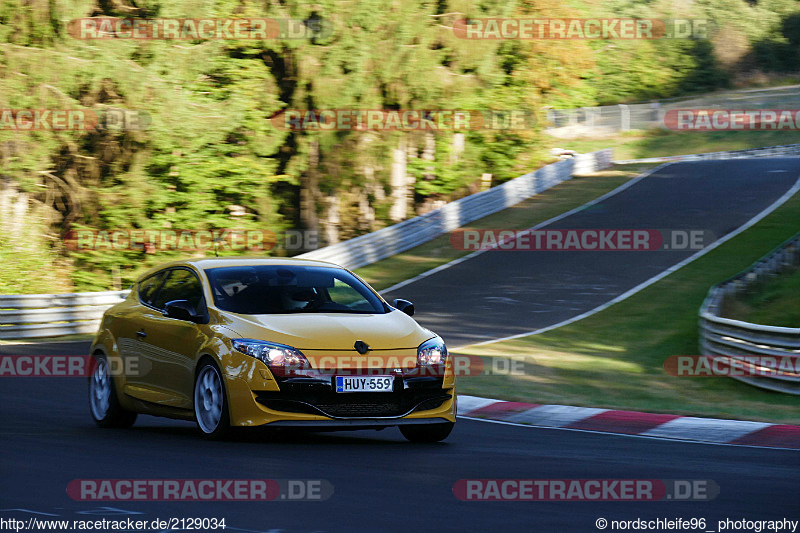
278	342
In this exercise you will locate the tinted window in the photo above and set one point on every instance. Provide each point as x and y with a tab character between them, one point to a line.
180	284
149	286
273	289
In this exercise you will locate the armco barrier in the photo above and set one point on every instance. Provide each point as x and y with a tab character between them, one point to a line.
48	315
737	339
51	315
786	150
572	123
405	235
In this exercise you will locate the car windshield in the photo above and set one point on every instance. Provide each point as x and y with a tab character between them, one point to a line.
278	289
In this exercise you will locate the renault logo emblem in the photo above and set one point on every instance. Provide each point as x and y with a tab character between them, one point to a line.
361	347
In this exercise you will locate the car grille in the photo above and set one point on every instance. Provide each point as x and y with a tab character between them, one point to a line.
354	405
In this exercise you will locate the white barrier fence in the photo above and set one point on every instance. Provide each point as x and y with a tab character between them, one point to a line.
785	150
571	123
49	315
405	235
52	315
739	340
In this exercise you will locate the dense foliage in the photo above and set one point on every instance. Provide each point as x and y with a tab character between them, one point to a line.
209	156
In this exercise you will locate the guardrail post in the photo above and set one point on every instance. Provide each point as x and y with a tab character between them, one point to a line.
588	113
624	118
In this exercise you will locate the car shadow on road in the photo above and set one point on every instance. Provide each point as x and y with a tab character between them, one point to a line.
260	436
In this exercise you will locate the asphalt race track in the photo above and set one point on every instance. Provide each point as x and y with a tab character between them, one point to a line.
502	293
383	483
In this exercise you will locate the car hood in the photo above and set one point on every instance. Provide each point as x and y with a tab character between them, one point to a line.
333	331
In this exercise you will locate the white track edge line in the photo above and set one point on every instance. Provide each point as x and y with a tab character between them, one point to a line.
686	441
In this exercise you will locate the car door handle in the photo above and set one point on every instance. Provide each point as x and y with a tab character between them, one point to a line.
141	334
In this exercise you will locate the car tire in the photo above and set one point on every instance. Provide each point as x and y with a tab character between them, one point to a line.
103	402
427	432
211	402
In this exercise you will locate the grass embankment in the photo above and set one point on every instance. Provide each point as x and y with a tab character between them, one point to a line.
775	302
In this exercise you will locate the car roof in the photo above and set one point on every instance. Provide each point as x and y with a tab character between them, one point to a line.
215	262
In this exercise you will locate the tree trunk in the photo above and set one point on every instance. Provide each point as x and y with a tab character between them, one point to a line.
399	182
429	154
332	220
457	148
309	190
410	178
366	212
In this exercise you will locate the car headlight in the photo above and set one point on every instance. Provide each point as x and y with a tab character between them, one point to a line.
432	352
271	353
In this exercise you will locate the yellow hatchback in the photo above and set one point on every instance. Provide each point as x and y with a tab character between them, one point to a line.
278	342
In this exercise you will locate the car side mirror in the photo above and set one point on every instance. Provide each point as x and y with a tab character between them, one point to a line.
181	310
404	306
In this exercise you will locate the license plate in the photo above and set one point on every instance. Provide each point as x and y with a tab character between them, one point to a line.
364	383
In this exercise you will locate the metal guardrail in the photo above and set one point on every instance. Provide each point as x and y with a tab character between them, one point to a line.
48	315
738	340
405	235
51	315
569	123
784	150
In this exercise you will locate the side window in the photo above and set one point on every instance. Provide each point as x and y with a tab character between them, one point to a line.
149	286
181	284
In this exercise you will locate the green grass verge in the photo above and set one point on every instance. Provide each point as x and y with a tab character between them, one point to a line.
658	143
534	210
775	302
615	358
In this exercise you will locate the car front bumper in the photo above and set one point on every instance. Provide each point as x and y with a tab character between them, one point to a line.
250	407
